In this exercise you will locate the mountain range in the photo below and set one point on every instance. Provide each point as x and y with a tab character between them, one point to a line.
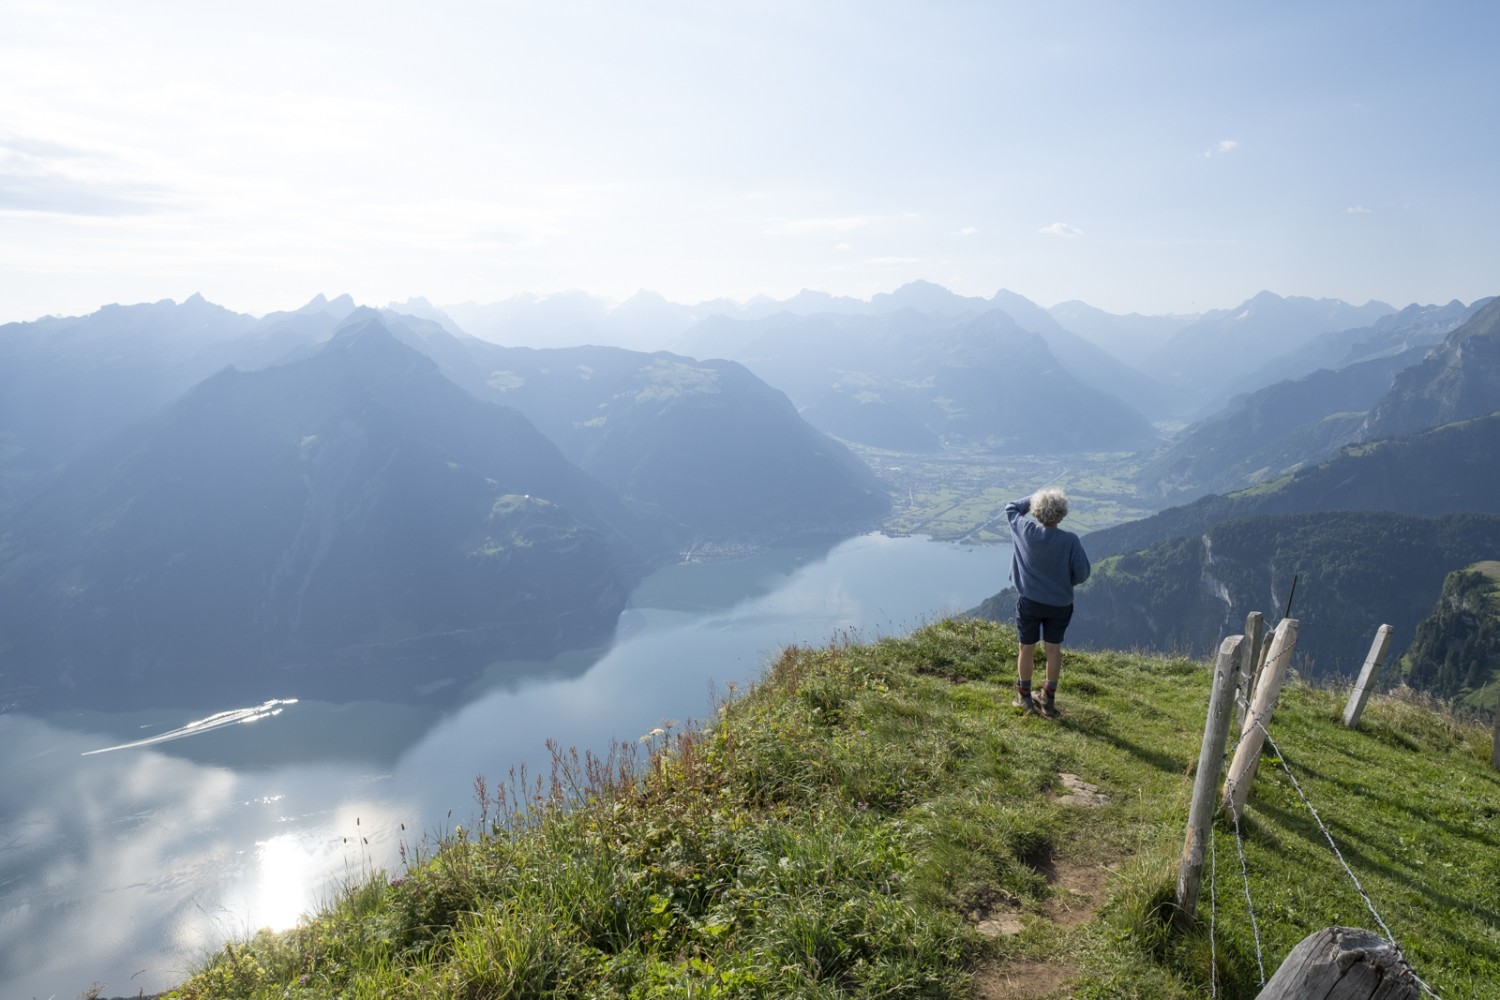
910	381
317	522
342	509
385	495
1403	388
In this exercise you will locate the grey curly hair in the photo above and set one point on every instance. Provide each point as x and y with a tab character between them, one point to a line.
1049	507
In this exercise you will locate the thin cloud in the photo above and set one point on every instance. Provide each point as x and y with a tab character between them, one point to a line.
1221	147
1358	210
968	231
39	176
826	224
1060	229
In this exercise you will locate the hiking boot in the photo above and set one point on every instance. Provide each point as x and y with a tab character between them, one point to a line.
1024	701
1047	703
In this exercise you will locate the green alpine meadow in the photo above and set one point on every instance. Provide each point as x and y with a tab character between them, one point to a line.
873	819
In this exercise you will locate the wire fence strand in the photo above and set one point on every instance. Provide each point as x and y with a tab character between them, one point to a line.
1254	721
1327	835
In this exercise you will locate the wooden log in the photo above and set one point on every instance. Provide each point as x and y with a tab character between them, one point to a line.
1252	736
1342	963
1366	683
1210	762
1255	626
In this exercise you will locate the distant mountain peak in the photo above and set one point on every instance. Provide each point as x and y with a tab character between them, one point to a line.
339	307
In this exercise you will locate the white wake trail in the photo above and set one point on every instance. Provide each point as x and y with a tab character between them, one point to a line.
218	720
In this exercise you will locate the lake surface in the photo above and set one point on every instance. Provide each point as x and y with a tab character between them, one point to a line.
127	867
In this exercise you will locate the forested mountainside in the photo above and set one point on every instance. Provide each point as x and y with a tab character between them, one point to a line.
1354	571
1444	470
1455	653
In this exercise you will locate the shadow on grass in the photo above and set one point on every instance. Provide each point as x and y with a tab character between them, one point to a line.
1096	726
1351	846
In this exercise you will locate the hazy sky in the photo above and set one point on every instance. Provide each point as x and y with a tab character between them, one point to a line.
1148	157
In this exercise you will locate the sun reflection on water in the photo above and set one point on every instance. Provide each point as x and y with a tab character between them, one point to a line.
287	869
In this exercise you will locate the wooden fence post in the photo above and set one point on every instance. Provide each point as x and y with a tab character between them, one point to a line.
1255	626
1210	760
1373	661
1252	737
1495	754
1342	963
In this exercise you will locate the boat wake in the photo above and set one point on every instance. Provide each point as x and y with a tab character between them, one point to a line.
218	720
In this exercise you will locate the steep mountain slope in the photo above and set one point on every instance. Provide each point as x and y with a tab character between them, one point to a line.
1444	470
1129	338
1458	380
1413	327
711	446
908	379
1455	654
732	462
715	453
1095	366
1272	431
349	519
1206	357
67	383
1354	571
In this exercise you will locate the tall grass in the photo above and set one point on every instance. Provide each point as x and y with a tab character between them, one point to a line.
841	829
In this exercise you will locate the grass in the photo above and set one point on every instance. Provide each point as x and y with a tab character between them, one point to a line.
842	829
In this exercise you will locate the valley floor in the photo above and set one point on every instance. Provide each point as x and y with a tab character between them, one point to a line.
960	494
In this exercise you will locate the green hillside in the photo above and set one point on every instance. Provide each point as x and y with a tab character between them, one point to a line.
1353	571
1456	651
875	820
1440	471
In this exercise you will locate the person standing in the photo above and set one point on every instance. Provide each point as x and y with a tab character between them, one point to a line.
1046	564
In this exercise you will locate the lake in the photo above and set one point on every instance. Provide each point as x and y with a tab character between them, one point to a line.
126	867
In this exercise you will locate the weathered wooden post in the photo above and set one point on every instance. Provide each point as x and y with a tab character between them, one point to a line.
1252	737
1342	963
1210	760
1495	753
1373	661
1255	626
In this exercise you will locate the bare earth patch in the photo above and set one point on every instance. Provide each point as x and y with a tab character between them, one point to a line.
1078	889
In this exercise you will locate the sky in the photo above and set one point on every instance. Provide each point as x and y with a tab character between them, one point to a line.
1153	157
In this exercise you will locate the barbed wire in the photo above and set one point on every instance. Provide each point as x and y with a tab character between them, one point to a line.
1249	903
1213	912
1369	903
1254	721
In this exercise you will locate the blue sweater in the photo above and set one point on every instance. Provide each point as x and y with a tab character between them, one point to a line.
1046	563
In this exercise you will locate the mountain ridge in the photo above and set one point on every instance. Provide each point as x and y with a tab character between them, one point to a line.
379	515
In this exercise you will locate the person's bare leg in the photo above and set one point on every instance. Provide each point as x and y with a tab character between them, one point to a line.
1046	700
1025	662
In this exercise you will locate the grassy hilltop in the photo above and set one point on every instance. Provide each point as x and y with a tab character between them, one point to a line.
875	820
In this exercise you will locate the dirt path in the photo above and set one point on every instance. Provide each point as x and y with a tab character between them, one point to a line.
1078	890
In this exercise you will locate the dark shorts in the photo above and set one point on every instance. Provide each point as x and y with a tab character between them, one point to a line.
1036	620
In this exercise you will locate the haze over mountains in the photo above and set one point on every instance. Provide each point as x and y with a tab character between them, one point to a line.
336	488
352	512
